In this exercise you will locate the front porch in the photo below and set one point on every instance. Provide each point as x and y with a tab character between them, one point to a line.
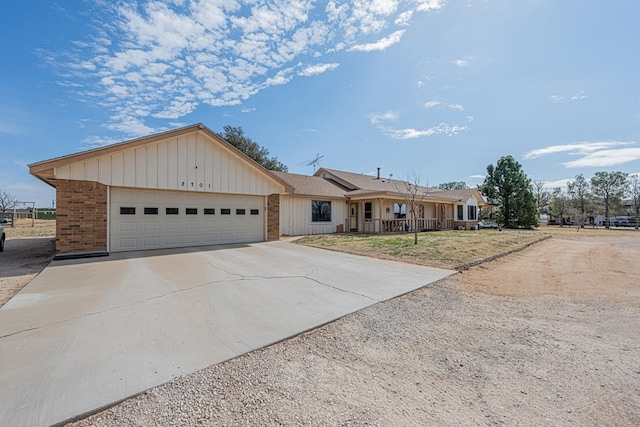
390	215
373	226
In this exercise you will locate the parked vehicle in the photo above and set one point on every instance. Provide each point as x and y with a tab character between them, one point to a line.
487	224
2	236
622	221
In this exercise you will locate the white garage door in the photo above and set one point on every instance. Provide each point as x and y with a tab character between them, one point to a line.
152	219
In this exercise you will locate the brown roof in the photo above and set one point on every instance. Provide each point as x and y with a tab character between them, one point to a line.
368	184
305	185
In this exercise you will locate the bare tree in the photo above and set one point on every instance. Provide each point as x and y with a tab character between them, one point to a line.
634	191
413	194
580	195
7	200
543	196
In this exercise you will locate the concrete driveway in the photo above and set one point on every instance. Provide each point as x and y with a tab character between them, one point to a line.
85	334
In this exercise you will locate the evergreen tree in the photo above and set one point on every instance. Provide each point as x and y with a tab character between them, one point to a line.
508	187
235	136
453	185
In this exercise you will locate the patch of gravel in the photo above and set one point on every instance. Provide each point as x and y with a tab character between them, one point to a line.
443	355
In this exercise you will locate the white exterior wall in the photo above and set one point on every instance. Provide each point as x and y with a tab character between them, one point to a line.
295	216
465	210
192	162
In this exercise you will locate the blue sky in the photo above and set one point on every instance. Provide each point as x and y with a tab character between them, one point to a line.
440	88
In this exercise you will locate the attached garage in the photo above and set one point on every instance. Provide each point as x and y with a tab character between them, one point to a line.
181	188
152	219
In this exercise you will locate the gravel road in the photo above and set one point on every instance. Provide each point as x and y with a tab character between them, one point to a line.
547	336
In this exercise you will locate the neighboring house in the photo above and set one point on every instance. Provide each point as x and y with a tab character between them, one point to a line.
333	201
189	187
45	213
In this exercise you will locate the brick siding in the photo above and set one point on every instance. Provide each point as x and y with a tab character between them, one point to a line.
81	223
273	217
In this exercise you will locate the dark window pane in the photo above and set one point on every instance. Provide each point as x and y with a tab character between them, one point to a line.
192	211
240	211
208	211
255	212
367	210
171	211
225	211
127	211
320	211
151	211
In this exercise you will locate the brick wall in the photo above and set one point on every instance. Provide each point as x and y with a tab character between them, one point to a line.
273	217
81	223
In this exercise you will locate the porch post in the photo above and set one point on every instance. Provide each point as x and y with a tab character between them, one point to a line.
380	219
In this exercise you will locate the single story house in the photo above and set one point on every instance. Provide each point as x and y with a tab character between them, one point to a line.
189	187
333	201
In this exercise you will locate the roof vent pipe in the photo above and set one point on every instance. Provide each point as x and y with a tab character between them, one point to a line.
378	173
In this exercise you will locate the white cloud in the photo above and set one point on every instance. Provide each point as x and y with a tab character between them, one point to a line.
577	97
433	104
561	183
606	158
578	148
156	59
94	141
461	63
379	120
410	133
312	70
381	44
477	176
580	95
247	110
387	116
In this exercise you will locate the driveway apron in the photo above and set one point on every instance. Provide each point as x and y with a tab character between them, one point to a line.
88	333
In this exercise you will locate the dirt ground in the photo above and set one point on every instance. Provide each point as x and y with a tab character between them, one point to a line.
22	260
546	336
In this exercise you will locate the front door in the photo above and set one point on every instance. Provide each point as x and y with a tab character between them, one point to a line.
354	217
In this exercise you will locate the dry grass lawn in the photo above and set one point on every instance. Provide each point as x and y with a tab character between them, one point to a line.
30	228
449	249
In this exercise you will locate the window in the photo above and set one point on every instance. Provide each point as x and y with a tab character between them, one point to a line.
192	211
367	211
320	211
240	211
399	210
127	211
171	211
209	211
151	211
472	213
225	211
255	212
460	216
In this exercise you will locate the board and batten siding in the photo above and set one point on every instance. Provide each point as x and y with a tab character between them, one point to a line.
295	216
191	162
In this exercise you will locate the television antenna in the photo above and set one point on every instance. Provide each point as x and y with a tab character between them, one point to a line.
315	161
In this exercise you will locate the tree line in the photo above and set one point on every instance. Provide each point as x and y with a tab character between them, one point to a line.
518	202
605	194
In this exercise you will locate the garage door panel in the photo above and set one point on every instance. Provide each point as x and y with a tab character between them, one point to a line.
157	229
151	226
